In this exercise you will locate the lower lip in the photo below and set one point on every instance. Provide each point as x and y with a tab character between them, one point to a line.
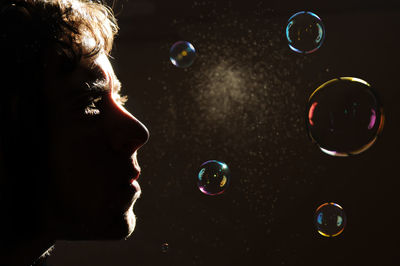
135	184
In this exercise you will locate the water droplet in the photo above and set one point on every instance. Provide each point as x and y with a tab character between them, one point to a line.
330	219
305	32
182	54
213	177
345	116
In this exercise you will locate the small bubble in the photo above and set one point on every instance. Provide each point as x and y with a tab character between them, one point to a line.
345	116
213	177
182	54
330	219
305	32
164	247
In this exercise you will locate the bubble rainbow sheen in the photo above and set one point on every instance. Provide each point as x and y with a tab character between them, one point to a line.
330	219
182	54
344	116
305	32
213	177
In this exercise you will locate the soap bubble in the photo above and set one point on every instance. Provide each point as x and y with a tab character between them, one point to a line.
345	116
305	32
330	219
164	247
182	54
213	177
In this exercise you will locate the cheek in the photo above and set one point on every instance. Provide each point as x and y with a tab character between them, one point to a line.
77	161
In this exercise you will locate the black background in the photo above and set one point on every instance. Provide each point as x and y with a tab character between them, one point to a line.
243	102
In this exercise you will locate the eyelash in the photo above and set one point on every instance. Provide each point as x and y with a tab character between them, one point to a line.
92	107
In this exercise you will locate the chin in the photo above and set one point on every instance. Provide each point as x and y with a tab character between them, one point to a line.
113	222
124	223
130	217
125	230
130	220
119	226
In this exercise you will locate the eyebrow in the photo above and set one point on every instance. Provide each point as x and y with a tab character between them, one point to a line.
102	85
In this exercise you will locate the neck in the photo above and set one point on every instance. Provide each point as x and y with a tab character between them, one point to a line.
24	238
25	231
24	252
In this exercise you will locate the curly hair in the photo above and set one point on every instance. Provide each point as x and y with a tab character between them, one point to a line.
28	27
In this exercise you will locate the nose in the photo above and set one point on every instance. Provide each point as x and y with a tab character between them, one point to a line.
129	133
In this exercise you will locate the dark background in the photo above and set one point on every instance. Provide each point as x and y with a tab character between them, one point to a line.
243	102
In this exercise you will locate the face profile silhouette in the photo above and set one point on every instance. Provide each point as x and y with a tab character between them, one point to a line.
68	146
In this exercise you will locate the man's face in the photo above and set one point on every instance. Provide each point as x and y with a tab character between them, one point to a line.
93	147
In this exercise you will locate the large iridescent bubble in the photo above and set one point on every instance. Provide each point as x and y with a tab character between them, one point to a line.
305	32
344	116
